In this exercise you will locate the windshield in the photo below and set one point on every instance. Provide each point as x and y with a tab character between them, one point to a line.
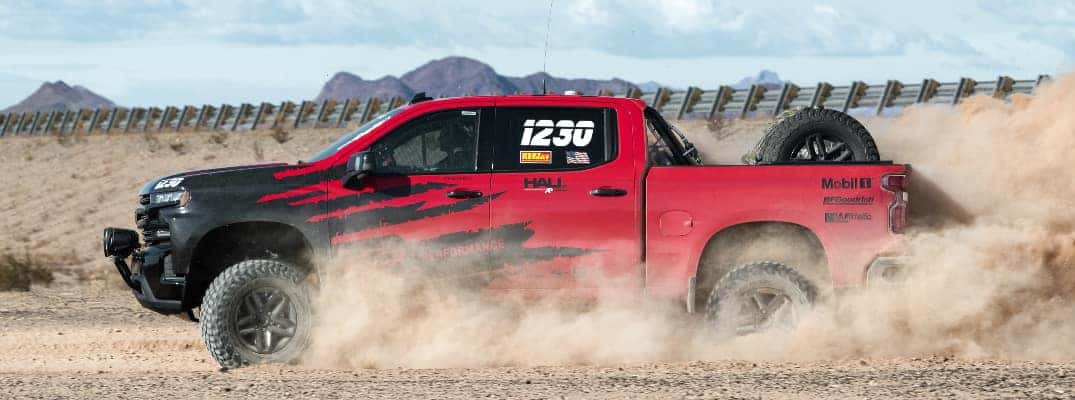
354	135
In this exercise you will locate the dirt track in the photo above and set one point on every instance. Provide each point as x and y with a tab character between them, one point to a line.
79	342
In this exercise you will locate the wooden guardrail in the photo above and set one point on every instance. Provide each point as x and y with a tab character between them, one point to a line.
692	103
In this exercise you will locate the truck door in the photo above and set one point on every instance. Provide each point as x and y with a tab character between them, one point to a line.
567	216
427	203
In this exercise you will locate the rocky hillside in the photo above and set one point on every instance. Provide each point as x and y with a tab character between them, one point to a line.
457	76
56	96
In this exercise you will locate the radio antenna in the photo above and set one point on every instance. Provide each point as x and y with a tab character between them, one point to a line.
545	59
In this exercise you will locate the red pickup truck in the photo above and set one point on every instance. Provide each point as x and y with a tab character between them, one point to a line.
534	193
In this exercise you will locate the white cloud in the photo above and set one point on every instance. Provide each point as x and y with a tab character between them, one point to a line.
248	50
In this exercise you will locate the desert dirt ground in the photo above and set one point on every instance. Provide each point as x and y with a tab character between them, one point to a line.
84	336
97	343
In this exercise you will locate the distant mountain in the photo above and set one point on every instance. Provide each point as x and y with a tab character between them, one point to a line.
458	76
344	84
532	84
650	86
766	78
58	96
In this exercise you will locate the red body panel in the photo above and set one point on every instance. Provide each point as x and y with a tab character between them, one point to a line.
713	198
569	216
654	235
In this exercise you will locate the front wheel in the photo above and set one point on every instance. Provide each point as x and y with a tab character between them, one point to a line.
256	311
758	297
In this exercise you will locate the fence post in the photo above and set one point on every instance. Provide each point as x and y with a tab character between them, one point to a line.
67	116
184	116
1003	87
689	99
93	119
348	108
854	94
259	115
660	97
112	119
49	121
80	117
965	89
36	124
166	117
821	94
753	97
372	106
788	93
5	119
23	121
724	95
242	115
286	108
304	111
199	120
222	115
892	91
927	91
151	115
633	93
1042	79
321	113
396	102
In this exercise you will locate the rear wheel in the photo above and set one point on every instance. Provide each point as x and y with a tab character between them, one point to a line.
758	297
819	135
256	311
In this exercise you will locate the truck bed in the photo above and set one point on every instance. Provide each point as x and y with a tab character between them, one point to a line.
844	205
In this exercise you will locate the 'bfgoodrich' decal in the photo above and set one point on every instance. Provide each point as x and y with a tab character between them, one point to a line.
847	200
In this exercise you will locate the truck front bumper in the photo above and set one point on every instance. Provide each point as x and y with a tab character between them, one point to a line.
149	275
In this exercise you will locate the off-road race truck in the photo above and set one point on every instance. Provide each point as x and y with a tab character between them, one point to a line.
521	194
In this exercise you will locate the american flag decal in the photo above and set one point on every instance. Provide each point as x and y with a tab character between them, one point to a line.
577	157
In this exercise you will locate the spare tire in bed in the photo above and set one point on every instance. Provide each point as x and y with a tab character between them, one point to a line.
816	135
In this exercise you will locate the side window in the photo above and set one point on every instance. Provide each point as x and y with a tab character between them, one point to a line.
553	138
440	142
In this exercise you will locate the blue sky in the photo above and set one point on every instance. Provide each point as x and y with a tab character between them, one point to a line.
200	51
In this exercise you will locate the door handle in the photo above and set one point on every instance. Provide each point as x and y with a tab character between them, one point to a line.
608	192
464	194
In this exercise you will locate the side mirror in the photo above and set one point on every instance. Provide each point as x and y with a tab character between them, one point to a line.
359	166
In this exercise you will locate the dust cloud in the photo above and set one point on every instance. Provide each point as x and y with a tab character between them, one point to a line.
992	251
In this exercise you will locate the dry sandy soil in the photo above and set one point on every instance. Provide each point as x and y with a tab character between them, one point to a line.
85	336
81	342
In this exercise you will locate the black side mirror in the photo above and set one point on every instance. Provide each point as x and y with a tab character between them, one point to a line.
359	166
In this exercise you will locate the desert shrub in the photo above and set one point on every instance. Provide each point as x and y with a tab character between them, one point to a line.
18	272
259	153
280	134
152	143
220	138
178	147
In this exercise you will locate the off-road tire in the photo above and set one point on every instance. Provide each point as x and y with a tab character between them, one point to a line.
722	305
791	129
220	310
